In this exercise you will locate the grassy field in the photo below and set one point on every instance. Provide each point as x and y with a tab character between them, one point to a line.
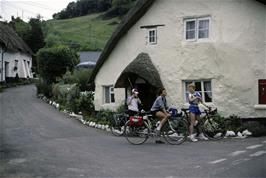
89	32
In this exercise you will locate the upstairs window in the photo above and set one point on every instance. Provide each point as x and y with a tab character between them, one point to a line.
152	36
204	87
109	94
197	29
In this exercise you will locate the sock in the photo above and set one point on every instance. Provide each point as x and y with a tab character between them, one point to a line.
159	126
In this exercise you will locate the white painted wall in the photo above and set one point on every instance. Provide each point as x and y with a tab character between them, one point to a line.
24	64
234	58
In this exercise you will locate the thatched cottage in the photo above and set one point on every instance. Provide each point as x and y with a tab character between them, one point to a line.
218	44
15	55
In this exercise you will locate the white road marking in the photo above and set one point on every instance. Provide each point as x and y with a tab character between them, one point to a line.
258	153
197	167
236	162
217	161
253	146
236	153
17	161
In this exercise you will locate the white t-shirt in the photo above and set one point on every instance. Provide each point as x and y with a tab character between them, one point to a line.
133	105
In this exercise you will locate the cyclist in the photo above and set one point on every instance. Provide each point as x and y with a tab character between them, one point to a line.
194	99
159	110
133	103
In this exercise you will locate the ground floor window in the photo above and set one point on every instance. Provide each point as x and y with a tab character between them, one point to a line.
204	87
262	91
109	94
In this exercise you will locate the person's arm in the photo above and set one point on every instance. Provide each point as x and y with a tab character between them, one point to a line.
129	100
162	106
192	98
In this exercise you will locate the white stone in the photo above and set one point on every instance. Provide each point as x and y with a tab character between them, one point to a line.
230	134
246	133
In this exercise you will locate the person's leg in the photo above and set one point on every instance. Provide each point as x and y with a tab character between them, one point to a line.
191	127
162	117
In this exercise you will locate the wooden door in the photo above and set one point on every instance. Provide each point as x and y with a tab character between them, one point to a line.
262	91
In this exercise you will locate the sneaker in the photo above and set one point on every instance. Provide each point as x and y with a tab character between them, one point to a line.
202	137
192	138
159	142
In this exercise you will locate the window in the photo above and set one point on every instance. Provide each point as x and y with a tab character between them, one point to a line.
197	29
204	87
152	36
262	91
109	94
16	63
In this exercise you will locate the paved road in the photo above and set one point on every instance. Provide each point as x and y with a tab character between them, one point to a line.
38	141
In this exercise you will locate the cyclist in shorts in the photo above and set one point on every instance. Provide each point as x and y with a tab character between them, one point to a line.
159	110
194	99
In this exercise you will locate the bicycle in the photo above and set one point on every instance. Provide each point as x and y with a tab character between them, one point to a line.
139	128
118	124
212	125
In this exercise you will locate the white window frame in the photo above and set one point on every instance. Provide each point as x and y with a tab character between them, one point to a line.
197	39
155	36
110	92
202	89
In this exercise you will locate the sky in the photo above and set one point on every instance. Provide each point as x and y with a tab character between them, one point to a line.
31	8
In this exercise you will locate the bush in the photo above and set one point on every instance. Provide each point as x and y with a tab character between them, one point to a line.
54	62
105	115
257	129
80	77
86	103
44	88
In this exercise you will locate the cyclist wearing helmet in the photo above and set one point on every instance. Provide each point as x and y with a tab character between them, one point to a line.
133	103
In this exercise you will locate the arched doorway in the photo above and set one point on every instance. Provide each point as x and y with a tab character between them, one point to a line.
141	74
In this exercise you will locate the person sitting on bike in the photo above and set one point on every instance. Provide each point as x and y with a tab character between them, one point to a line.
159	110
194	99
133	103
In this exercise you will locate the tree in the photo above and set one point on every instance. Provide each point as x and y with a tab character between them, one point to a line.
36	39
54	62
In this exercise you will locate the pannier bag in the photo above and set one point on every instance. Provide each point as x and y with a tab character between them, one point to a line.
136	120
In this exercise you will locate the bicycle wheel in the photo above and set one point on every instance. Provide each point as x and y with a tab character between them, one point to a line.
118	125
175	131
136	135
214	128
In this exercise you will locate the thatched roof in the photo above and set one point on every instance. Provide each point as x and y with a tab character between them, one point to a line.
10	40
129	20
141	67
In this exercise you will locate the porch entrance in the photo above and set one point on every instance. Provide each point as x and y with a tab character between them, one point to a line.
142	75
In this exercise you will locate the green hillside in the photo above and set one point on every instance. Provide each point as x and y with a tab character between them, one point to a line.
83	33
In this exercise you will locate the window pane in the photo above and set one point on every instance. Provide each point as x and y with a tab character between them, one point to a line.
198	86
111	89
190	30
207	86
112	98
204	24
190	35
208	96
190	25
203	33
107	94
203	28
